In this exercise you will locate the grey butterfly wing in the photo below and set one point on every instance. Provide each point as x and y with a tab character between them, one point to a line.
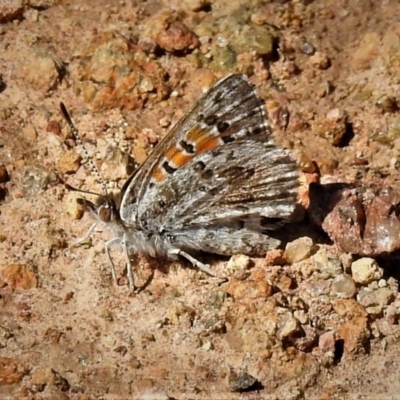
238	181
229	111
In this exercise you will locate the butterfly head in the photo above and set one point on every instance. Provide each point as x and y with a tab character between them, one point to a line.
104	209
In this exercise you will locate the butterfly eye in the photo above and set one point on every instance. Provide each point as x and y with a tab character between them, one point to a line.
104	213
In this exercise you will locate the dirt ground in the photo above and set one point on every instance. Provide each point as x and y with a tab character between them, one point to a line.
311	321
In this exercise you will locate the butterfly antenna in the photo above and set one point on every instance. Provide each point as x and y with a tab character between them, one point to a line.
78	139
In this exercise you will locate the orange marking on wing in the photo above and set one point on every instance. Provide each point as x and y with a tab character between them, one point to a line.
196	133
207	143
177	157
203	140
158	174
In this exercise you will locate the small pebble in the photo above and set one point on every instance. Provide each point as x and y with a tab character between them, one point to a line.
374	310
365	270
242	382
328	267
69	162
197	5
307	48
367	297
53	127
382	283
287	326
249	290
326	342
207	346
384	296
239	262
300	249
30	133
344	287
392	314
321	61
74	209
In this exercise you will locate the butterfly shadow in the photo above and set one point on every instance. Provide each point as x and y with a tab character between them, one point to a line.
144	278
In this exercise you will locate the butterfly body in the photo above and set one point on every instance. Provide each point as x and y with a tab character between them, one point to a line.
217	183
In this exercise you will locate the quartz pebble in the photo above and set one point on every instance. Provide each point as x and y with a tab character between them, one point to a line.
300	249
367	297
344	287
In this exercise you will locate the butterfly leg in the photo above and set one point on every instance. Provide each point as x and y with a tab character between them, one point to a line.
131	280
202	267
107	246
85	237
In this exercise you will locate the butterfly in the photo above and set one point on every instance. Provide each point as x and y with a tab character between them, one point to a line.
217	183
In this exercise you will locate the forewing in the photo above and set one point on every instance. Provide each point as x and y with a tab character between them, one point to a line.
230	111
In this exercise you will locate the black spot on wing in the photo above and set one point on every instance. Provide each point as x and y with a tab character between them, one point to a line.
207	174
218	97
227	139
188	147
214	191
222	126
199	166
168	168
257	130
210	120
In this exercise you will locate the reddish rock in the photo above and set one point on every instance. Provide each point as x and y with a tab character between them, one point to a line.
53	127
10	371
355	334
249	290
20	277
177	37
69	162
348	308
118	74
326	342
275	257
359	220
308	338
